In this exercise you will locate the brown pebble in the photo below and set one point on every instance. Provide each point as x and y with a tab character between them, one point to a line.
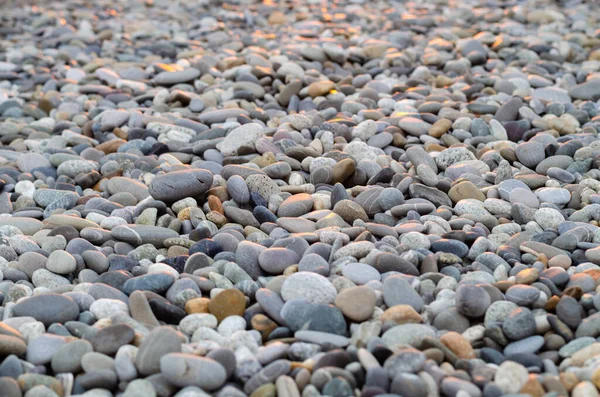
574	291
568	380
197	305
111	146
215	204
458	345
440	127
527	276
552	302
465	190
230	302
343	169
263	324
401	314
45	105
120	133
533	387
320	88
399	140
357	303
184	214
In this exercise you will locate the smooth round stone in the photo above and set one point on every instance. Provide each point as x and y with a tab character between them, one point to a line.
519	324
530	154
548	218
279	170
190	370
296	205
350	211
465	190
230	302
360	273
127	185
472	300
497	312
311	287
108	340
397	291
357	303
276	260
415	240
61	262
522	295
390	197
314	263
414	126
556	196
593	255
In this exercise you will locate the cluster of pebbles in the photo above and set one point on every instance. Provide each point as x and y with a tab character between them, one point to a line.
351	198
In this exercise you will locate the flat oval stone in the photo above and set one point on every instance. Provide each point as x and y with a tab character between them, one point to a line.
178	185
48	308
143	234
190	370
299	314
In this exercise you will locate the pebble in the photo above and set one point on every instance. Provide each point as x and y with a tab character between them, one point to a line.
357	198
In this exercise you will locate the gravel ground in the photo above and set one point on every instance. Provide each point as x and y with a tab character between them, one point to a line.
351	198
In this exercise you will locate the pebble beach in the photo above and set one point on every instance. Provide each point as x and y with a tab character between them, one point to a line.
204	198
